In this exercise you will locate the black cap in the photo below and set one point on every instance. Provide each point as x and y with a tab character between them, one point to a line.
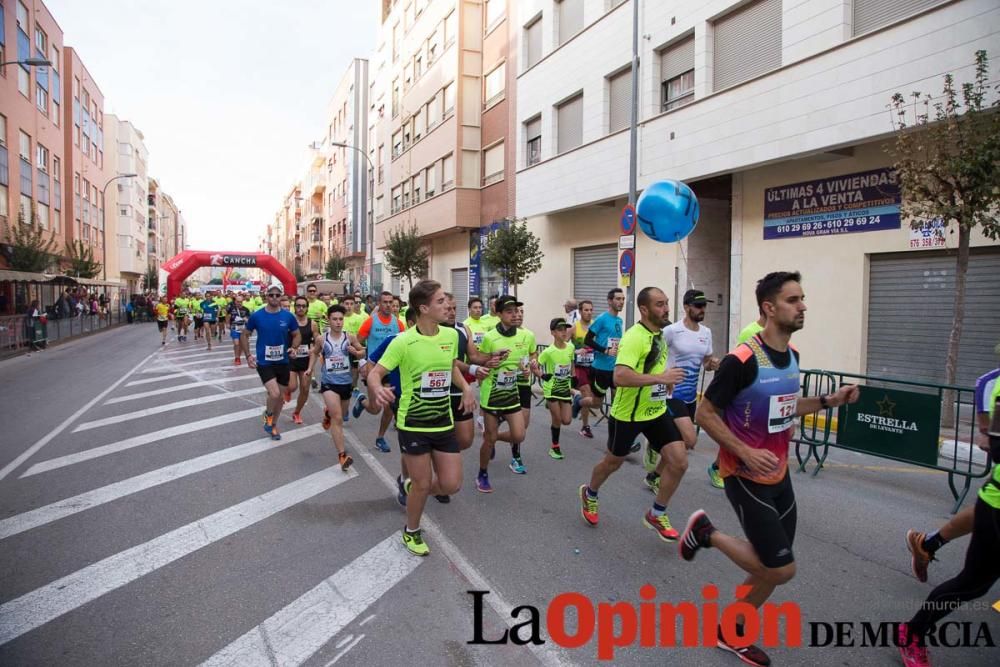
696	297
506	300
558	322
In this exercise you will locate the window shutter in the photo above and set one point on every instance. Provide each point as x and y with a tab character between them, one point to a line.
533	129
620	111
872	14
570	119
747	43
533	38
677	59
493	161
570	19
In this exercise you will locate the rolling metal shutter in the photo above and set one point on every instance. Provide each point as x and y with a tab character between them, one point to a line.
595	272
911	303
570	120
460	288
677	59
872	14
747	43
620	106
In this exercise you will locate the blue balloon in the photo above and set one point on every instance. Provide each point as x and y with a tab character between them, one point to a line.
667	211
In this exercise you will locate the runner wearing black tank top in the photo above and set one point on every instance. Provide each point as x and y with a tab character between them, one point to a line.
300	375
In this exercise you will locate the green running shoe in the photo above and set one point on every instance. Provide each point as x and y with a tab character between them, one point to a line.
715	477
414	543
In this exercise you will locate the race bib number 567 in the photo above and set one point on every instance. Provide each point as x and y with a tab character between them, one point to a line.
434	384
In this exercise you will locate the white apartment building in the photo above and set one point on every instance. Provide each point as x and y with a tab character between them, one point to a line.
749	103
126	152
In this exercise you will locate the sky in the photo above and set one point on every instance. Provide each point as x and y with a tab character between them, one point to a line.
228	94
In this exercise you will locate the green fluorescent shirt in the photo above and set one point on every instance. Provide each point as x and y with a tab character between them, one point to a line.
635	350
524	378
425	364
353	322
990	491
748	332
317	313
498	390
477	328
559	364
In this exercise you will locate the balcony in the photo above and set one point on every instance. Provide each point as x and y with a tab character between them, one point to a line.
315	239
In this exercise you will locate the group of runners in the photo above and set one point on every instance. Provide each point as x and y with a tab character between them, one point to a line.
421	367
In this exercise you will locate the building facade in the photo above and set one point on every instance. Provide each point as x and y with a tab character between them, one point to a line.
128	202
758	106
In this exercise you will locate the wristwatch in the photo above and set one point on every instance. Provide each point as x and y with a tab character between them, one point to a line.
823	402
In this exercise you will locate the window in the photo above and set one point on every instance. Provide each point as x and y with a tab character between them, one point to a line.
495	84
435	110
450	29
677	74
570	17
416	189
533	137
620	100
395	200
419	122
449	98
447	172
873	14
407	76
493	164
395	42
431	180
42	215
395	97
41	40
23	82
41	157
22	16
406	194
533	43
25	208
494	12
418	66
41	99
397	143
3	130
569	119
24	144
747	43
4	211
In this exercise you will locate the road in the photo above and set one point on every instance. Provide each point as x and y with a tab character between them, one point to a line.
145	519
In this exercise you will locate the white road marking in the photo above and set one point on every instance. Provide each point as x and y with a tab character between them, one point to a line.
34	609
367	620
295	633
181	387
106	494
194	354
6	470
344	641
139	440
219	372
139	414
344	652
204	363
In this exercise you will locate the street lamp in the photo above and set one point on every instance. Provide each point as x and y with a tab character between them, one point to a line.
364	209
30	62
104	224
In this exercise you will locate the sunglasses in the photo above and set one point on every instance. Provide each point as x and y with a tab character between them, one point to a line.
301	305
273	295
311	291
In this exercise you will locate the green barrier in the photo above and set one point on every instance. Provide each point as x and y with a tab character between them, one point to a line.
894	419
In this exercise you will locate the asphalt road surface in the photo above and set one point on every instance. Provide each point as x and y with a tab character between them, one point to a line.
146	519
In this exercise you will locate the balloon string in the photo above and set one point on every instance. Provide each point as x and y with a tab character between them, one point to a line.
687	272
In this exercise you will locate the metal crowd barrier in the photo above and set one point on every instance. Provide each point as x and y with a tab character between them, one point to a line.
18	332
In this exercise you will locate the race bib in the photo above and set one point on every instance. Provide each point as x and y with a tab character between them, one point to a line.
477	337
525	361
658	392
182	312
506	379
562	372
781	413
274	352
303	351
612	342
434	384
584	357
338	363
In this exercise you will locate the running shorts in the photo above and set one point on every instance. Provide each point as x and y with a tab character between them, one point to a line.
279	372
457	414
161	324
418	442
601	382
525	396
342	390
658	431
768	515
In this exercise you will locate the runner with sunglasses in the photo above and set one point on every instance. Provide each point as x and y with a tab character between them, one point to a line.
299	366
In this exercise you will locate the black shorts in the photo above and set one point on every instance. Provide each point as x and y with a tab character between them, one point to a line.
601	382
678	409
500	412
525	396
457	414
279	372
550	401
767	513
658	431
299	365
417	442
161	324
342	390
354	362
198	321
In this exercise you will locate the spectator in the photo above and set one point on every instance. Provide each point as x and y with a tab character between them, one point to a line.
572	312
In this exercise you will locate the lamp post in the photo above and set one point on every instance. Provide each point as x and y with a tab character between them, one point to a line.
30	62
633	161
104	224
364	208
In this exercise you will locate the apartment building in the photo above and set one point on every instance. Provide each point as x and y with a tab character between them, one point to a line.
167	228
753	104
127	202
33	163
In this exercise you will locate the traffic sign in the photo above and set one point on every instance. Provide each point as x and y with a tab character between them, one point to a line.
626	262
626	242
628	219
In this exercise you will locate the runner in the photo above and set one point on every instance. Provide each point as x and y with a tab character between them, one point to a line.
237	315
210	315
583	372
689	346
751	330
476	325
352	324
317	310
603	337
464	430
499	393
285	304
162	312
376	328
750	410
197	314
274	328
221	306
527	369
640	406
332	352
300	366
556	370
425	356
181	310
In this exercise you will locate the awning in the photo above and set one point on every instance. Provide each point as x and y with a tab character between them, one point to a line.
25	276
94	282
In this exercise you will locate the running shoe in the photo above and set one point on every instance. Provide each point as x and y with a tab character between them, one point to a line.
274	433
264	417
910	650
237	362
586	432
556	453
163	342
636	446
715	477
588	506
327	420
414	542
480	424
382	445
401	491
355	392
288	396
652	482
661	524
444	500
483	483
920	558
697	535
359	407
345	460
296	418
576	406
407	485
752	655
347	417
517	466
650	460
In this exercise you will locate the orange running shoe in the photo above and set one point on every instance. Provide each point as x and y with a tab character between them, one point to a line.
296	418
327	420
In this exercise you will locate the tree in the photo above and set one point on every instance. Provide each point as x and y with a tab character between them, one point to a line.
335	266
215	281
30	250
81	260
152	278
514	251
405	254
946	152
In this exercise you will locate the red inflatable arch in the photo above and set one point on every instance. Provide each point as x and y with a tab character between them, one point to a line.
183	265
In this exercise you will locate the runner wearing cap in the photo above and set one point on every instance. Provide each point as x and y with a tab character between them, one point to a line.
583	372
528	368
237	315
555	367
